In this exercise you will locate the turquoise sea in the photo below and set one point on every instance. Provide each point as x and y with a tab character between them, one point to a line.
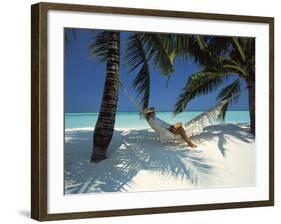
133	120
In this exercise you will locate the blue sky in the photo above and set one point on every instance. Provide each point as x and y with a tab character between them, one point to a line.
84	78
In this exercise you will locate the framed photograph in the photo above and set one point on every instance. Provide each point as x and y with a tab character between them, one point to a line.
138	111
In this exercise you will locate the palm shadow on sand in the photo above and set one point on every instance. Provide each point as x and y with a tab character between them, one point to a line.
222	133
133	151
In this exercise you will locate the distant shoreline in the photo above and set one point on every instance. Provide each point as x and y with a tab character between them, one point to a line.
70	113
133	119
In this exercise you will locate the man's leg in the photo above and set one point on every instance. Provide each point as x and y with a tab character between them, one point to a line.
180	131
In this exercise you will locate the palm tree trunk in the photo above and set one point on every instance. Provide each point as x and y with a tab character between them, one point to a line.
106	120
252	106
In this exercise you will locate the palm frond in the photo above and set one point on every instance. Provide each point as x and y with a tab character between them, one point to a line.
69	34
203	49
99	48
135	57
235	69
142	84
239	48
229	61
180	44
156	49
134	53
219	45
232	92
198	84
201	42
198	50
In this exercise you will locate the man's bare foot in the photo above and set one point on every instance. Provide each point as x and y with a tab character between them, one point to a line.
192	145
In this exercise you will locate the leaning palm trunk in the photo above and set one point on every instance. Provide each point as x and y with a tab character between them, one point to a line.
106	120
252	99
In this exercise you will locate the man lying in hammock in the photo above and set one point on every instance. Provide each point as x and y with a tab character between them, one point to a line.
176	129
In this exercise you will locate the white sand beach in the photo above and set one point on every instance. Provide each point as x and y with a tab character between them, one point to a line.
138	161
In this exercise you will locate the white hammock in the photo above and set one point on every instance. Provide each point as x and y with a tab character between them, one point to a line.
191	127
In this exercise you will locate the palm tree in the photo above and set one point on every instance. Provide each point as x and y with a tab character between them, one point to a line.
221	57
106	46
140	49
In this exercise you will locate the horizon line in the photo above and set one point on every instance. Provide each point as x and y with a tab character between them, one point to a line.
139	111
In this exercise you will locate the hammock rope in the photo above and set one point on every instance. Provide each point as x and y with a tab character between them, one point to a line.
130	97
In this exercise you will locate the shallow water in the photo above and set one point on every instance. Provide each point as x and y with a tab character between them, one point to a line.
133	120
